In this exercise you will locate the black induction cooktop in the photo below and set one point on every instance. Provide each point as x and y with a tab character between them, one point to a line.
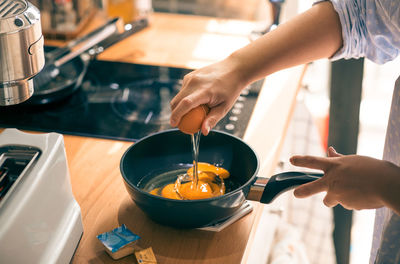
121	101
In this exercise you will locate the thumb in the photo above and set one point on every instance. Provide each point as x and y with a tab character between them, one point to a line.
332	152
212	118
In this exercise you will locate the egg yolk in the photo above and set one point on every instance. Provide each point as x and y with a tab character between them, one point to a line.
207	167
189	191
169	192
210	184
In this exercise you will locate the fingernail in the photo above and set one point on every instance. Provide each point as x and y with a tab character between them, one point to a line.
207	129
172	122
298	192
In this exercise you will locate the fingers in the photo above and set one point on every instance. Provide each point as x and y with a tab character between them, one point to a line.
312	162
191	95
330	201
315	187
181	109
183	102
184	106
215	114
182	94
311	188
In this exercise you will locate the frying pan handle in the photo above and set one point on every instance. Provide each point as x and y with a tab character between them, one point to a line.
285	181
80	45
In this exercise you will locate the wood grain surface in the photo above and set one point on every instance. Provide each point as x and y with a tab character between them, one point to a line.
182	41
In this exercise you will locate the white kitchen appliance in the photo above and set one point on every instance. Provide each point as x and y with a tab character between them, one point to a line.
40	220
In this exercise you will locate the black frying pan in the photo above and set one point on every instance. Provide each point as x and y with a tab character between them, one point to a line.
72	72
64	85
170	149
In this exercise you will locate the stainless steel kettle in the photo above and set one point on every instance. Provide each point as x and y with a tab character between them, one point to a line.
21	50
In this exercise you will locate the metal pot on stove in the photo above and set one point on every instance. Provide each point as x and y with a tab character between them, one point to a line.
21	50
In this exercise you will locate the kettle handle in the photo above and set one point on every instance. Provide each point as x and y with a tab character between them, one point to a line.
285	181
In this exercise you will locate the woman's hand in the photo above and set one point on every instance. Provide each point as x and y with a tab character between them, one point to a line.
355	182
312	35
216	86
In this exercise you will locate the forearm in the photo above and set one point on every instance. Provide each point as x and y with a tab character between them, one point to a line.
312	35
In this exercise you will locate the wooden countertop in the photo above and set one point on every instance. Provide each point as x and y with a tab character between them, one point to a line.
181	41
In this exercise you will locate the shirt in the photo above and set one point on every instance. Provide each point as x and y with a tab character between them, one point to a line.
371	29
386	238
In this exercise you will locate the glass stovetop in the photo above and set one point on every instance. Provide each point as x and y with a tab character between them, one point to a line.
120	101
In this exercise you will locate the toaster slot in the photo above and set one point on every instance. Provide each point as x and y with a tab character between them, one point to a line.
15	162
4	182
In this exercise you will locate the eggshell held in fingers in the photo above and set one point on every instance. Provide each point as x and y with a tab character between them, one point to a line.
191	122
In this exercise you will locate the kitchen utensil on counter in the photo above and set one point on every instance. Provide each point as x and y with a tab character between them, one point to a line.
21	50
66	66
64	20
171	150
40	220
58	57
68	80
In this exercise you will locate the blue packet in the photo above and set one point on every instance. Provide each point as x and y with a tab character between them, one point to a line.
117	238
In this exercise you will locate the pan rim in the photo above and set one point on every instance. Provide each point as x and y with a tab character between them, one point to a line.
207	200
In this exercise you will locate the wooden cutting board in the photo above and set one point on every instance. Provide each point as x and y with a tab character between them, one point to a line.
98	187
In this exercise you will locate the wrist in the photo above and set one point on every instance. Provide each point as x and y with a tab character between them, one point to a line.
240	69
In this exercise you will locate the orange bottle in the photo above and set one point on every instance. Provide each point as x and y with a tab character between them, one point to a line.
126	9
